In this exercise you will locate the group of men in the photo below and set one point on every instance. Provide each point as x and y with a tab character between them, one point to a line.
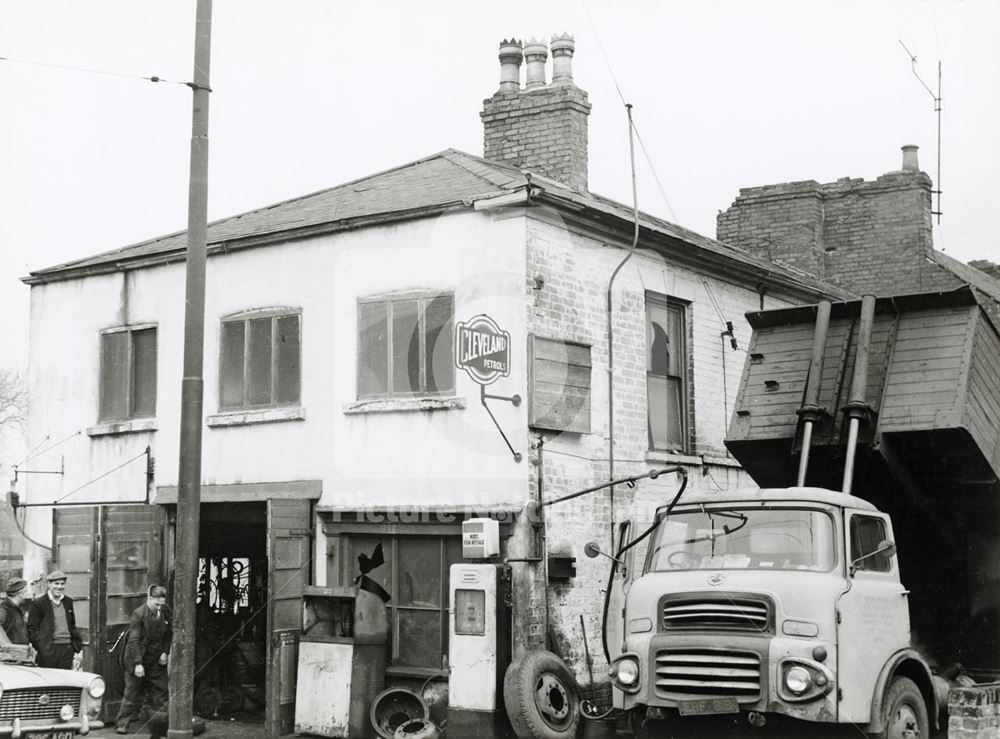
48	623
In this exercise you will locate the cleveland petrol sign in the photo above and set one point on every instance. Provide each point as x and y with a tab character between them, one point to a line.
482	349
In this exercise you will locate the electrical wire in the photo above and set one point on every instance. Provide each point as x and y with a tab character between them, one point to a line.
35	453
100	477
87	70
20	527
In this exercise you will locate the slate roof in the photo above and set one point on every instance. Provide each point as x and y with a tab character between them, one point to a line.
442	181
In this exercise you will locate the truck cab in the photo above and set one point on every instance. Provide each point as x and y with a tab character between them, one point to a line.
773	601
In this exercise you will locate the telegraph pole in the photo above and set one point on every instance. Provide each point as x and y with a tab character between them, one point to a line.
181	678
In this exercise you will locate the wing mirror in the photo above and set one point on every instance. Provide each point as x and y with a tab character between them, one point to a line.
592	550
885	548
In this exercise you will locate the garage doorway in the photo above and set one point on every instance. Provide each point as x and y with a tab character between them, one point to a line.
231	612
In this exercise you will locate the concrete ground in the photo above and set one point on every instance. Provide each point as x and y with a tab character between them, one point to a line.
218	729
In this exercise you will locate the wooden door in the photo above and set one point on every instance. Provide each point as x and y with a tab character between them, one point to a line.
289	555
74	533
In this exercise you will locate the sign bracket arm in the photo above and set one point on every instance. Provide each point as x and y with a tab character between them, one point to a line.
515	400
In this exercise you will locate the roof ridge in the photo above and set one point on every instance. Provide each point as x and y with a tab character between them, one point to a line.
484	168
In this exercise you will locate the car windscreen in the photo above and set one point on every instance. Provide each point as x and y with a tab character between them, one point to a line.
712	538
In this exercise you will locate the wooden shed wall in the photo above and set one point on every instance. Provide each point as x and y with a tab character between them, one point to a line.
926	383
983	405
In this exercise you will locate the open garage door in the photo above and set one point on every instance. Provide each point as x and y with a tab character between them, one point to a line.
289	556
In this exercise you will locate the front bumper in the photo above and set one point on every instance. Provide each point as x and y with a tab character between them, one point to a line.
80	726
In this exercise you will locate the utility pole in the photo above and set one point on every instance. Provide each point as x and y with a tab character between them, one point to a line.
181	680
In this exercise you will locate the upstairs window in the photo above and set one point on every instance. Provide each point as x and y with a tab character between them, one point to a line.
260	364
666	373
405	346
128	373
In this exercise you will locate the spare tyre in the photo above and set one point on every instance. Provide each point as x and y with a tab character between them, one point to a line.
541	697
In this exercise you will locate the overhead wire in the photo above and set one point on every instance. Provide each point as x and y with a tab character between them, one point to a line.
89	70
614	79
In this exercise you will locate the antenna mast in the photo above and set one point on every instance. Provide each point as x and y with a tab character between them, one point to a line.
937	109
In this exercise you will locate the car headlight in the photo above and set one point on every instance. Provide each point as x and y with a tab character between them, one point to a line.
96	688
798	680
66	713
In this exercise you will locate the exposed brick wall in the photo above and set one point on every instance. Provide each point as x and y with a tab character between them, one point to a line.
566	281
866	236
974	713
542	130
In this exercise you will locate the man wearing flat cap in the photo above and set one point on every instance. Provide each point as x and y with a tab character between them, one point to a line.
11	617
52	625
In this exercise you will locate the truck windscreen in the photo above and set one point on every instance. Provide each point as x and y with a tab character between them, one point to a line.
744	538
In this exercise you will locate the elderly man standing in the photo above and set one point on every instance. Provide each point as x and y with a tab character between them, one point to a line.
52	625
146	650
11	617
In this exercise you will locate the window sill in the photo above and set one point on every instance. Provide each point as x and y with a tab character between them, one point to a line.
135	426
402	405
256	415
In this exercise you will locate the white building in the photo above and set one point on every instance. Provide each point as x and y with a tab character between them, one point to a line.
336	417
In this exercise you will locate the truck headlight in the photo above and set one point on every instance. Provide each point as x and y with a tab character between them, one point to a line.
798	680
96	688
628	672
624	673
803	680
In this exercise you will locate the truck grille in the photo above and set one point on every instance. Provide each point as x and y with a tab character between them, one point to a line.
28	704
683	674
722	613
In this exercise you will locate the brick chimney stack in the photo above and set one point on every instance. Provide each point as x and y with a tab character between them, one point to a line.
541	127
866	236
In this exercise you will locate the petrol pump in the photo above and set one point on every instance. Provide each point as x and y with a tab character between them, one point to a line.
479	634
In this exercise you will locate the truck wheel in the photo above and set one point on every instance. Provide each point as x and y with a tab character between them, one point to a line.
904	714
542	697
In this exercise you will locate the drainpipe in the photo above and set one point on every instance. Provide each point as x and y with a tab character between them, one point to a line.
810	412
856	407
611	335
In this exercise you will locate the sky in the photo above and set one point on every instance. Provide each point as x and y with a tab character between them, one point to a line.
309	94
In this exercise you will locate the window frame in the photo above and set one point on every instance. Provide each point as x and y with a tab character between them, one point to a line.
877	564
130	370
682	309
245	317
423	297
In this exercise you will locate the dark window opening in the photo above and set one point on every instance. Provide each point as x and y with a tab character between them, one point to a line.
405	346
260	362
666	373
128	374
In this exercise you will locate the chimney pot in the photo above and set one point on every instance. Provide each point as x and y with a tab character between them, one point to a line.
535	54
562	58
511	55
910	158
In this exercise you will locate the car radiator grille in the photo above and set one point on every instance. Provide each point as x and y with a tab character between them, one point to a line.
730	614
26	705
683	674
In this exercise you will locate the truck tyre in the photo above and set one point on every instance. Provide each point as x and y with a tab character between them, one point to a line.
542	697
904	713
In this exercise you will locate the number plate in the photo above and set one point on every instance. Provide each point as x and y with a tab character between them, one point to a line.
49	735
706	706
